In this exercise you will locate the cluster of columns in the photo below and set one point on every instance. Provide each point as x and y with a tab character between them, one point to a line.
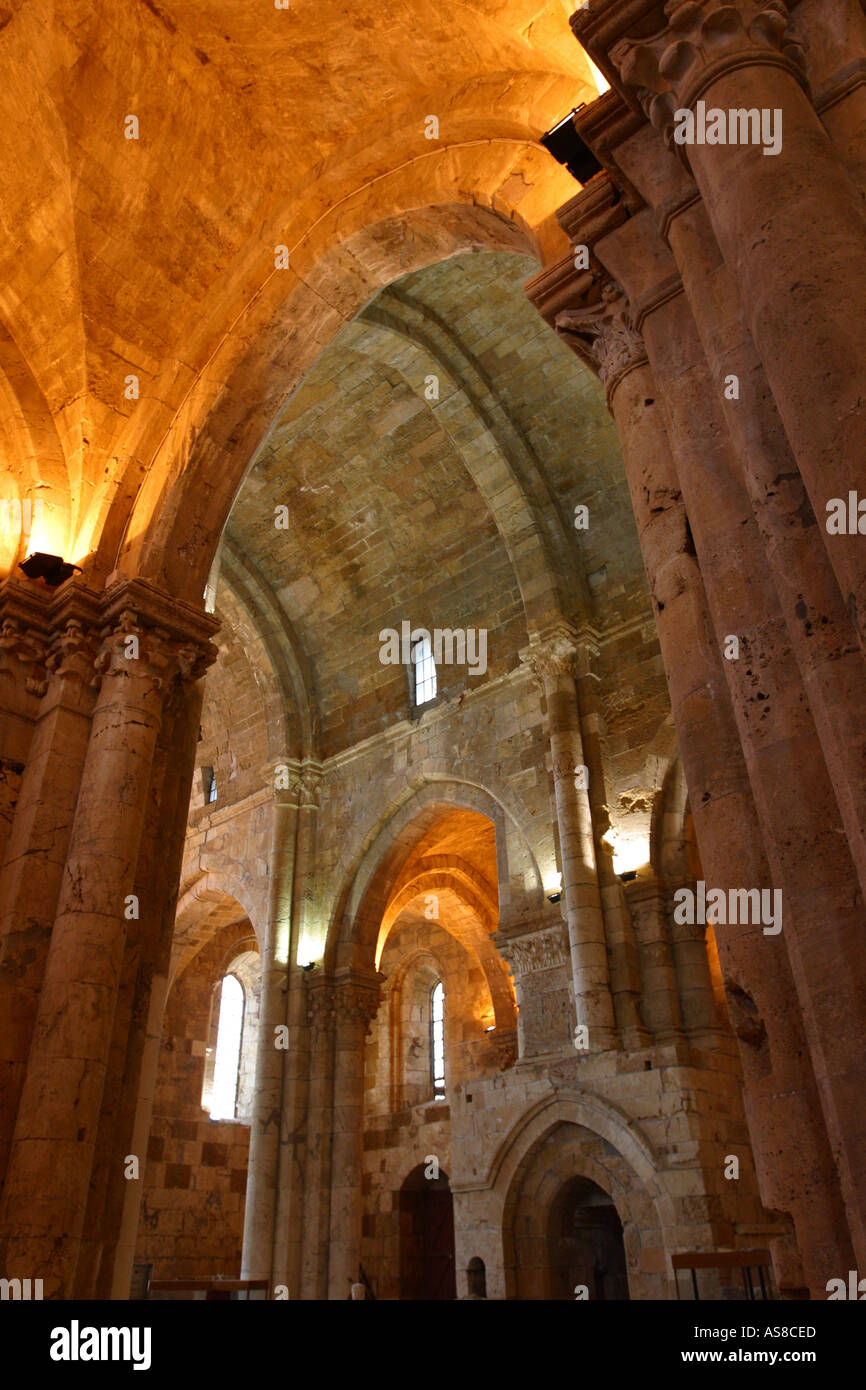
302	1220
102	703
552	658
611	968
101	716
715	300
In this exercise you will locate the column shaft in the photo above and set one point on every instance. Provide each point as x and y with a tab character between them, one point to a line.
553	661
157	885
792	1153
262	1177
793	795
291	1177
35	858
355	1000
319	1139
45	1195
822	637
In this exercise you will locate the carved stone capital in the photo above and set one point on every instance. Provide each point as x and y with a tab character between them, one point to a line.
309	783
646	902
505	1042
23	653
132	648
357	1001
605	330
670	69
73	653
320	1011
552	653
129	649
79	633
193	661
352	999
542	950
320	1008
295	783
176	634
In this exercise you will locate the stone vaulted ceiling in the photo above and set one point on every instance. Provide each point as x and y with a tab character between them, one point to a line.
154	257
450	512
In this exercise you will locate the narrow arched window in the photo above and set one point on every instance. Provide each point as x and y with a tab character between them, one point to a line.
437	1039
228	1050
425	671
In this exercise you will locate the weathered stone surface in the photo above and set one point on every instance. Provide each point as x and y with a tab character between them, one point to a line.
287	385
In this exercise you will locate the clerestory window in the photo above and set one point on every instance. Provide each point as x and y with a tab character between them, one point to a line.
425	672
223	1105
209	785
437	1039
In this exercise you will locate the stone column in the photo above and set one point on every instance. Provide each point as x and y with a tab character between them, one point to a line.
697	1001
619	930
10	789
157	884
540	961
120	1090
293	1138
660	1005
320	1022
280	939
551	656
39	839
808	853
45	1195
355	1001
792	1154
822	636
793	1157
791	227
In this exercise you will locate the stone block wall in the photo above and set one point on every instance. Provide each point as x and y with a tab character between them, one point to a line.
654	1129
394	1146
192	1209
389	770
195	1177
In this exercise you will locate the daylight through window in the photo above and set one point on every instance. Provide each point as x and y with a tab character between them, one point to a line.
437	1038
425	672
228	1050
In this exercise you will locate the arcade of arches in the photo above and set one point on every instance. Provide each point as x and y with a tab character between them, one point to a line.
306	340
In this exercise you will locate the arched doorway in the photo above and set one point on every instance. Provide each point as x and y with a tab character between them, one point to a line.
585	1244
578	1210
426	1237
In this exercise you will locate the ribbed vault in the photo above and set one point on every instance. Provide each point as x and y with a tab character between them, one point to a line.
428	467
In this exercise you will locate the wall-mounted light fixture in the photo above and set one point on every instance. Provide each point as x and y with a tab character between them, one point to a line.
567	148
630	850
52	568
310	965
554	897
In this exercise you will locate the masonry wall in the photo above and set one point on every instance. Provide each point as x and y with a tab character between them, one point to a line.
195	1179
405	1126
482	744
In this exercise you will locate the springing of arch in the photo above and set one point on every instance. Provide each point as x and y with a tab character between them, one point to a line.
270	361
372	872
399	329
205	905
